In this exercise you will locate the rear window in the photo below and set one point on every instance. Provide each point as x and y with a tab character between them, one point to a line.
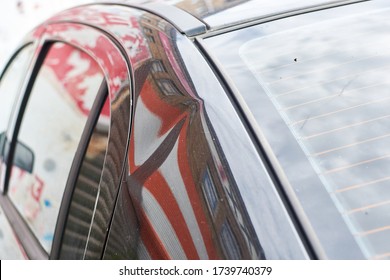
326	76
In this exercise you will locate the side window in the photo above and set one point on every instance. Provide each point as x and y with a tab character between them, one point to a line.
53	122
10	84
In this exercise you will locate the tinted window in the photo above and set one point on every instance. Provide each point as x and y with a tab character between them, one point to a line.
52	125
179	200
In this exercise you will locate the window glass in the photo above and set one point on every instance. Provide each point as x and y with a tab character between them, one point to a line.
329	86
52	125
9	87
158	66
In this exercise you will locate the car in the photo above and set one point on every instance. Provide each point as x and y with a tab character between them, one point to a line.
199	130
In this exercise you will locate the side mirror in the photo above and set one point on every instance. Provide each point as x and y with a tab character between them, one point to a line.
24	156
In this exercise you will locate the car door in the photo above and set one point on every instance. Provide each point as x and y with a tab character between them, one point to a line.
63	146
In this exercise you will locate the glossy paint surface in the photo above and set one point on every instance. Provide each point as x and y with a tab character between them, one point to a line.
181	177
176	177
116	70
221	13
181	199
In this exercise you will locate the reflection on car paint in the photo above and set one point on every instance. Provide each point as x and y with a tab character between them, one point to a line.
118	81
238	11
125	25
77	75
246	166
178	198
99	45
175	163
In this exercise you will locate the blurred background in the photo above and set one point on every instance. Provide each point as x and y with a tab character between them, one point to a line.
18	17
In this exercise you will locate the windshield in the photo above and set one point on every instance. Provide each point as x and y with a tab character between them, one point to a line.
318	86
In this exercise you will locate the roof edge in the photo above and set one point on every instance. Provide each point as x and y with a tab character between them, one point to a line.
183	21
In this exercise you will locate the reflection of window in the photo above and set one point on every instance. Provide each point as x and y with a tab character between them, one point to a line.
167	87
161	24
157	66
229	242
147	30
52	125
209	191
150	38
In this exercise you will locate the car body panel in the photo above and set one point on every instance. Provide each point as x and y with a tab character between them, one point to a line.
219	14
187	173
178	170
118	76
174	67
199	17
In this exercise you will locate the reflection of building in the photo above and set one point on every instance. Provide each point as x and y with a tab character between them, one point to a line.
199	163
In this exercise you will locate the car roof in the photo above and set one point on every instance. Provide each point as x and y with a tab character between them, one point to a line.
221	14
210	17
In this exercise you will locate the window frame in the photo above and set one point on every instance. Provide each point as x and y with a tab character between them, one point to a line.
18	95
28	243
27	240
75	169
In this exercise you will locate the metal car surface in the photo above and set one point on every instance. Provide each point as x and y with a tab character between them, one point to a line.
154	141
